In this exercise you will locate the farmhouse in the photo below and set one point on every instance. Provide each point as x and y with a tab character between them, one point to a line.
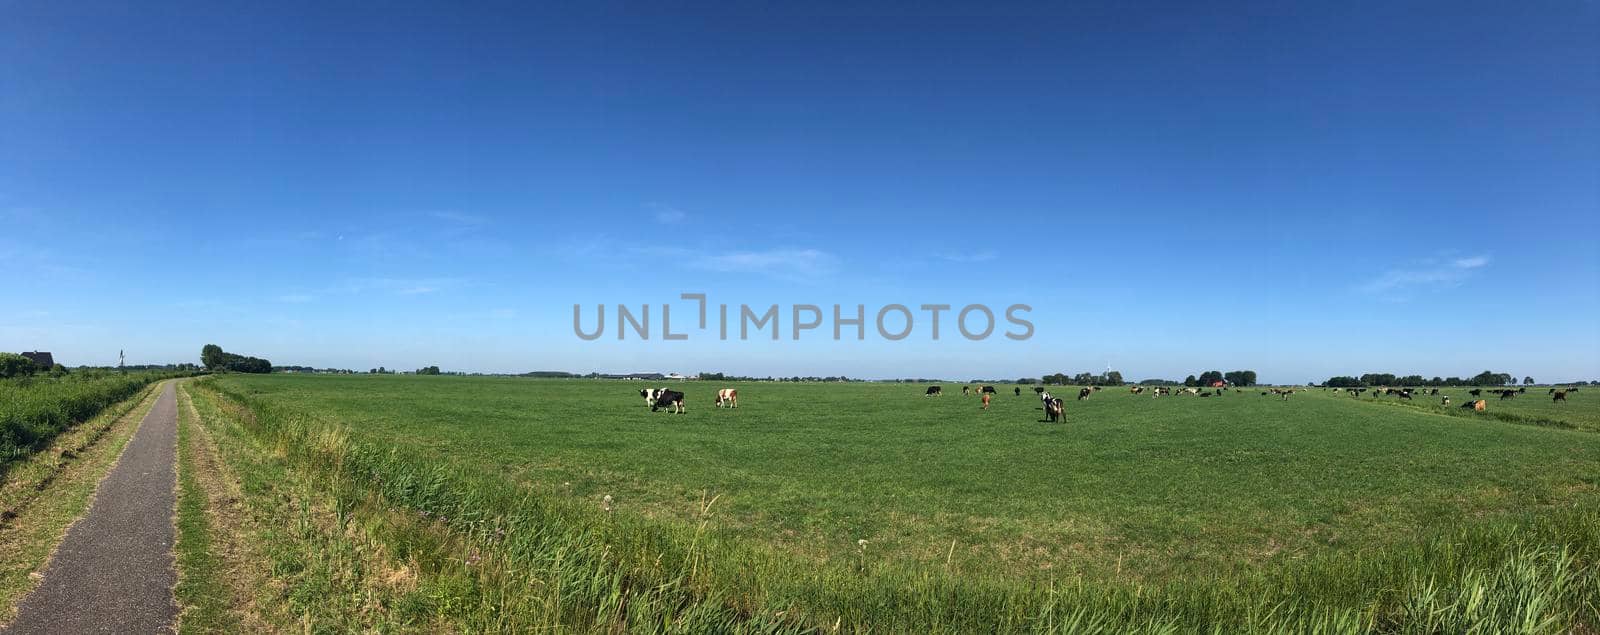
42	359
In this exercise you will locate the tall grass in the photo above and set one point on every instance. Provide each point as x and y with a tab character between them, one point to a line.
549	561
34	410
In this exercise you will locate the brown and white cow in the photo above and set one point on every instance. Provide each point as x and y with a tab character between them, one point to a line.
728	396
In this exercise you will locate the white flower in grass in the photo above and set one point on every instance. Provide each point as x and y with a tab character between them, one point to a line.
862	543
605	503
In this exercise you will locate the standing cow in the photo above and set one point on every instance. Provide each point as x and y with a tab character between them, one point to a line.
728	396
650	394
1083	393
1054	409
669	399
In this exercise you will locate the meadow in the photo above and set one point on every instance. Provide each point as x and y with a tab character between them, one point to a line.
872	505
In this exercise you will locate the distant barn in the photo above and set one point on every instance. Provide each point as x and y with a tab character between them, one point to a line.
42	359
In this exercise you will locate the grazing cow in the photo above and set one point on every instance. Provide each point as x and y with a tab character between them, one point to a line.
986	397
1434	392
1406	395
728	396
1083	393
1521	390
965	391
1136	389
1038	390
933	391
1191	391
669	399
1475	392
1559	395
1205	394
986	390
1446	401
1507	394
1097	389
1552	391
1263	393
650	394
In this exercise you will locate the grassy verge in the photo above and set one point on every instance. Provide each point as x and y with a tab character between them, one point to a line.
48	490
33	410
305	553
472	551
202	591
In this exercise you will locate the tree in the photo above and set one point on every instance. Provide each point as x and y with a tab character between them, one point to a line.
1491	378
1527	381
1240	377
1209	377
1343	382
14	365
1191	381
212	356
428	370
217	359
1113	378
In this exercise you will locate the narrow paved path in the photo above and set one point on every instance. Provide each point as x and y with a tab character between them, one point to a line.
114	572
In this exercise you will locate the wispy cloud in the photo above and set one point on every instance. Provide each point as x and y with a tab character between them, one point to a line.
399	286
460	218
1430	274
969	258
666	214
783	263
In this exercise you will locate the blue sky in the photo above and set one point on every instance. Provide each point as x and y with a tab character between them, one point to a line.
1300	190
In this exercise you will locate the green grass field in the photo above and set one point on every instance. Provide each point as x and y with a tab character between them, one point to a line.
1130	491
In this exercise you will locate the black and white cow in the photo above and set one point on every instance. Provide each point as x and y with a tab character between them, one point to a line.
669	399
986	390
1054	409
650	394
1083	393
933	391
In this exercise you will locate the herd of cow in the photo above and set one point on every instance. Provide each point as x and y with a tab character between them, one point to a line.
658	398
1556	394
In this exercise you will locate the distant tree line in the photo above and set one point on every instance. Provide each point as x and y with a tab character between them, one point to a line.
428	370
217	360
1110	378
309	369
1485	378
15	365
712	376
